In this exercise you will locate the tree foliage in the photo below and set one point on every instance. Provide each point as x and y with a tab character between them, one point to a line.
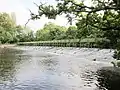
101	15
76	9
5	21
51	32
11	33
71	32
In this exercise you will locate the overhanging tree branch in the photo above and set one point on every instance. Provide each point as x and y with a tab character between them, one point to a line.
71	7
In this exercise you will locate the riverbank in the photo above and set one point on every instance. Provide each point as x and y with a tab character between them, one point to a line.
7	45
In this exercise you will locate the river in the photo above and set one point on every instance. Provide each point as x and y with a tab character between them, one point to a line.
51	68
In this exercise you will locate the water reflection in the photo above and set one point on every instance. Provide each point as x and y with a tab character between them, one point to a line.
8	60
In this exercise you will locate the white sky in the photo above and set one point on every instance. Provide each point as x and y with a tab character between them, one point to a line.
20	7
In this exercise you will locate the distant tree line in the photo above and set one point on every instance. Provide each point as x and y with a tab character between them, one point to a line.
12	33
50	31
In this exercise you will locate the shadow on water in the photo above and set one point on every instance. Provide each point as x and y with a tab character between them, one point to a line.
8	60
109	78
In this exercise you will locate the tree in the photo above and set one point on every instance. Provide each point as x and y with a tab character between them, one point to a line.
71	32
6	22
11	33
24	34
77	8
6	28
89	15
51	32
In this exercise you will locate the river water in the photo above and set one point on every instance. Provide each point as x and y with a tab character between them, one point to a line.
48	68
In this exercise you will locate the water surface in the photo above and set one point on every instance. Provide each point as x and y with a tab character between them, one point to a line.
48	68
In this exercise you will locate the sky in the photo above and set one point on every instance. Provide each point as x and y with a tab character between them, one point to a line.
21	9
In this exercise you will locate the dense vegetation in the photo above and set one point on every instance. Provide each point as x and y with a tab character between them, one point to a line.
51	31
12	33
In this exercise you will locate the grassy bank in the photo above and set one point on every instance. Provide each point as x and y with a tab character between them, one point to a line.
88	42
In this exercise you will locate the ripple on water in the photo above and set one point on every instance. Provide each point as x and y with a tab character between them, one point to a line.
48	68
